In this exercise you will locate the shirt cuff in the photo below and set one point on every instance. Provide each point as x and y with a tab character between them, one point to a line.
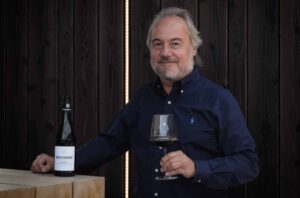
203	171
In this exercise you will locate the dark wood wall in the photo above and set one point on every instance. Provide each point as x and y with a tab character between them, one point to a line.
52	48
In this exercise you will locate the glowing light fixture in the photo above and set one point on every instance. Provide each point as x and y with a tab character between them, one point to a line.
127	89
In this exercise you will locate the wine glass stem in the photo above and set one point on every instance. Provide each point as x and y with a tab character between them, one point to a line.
165	150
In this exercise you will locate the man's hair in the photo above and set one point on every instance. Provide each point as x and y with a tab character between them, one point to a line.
185	15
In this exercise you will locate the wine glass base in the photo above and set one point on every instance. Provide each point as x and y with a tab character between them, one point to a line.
166	178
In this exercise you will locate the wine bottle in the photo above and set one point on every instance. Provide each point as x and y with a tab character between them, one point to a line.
64	160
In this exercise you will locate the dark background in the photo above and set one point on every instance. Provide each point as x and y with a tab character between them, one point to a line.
49	49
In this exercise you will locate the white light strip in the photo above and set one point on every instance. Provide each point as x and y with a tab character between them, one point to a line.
127	89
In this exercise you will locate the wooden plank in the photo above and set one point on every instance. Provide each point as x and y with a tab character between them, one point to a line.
237	51
65	51
140	69
289	98
42	76
2	65
263	86
10	191
85	70
48	185
15	85
45	186
213	27
91	188
61	190
237	64
111	84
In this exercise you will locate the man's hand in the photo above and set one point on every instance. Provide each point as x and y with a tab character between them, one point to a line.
175	163
42	164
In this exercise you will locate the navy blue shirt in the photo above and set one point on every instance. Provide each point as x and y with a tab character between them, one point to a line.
211	131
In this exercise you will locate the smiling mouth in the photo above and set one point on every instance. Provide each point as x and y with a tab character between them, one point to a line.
164	62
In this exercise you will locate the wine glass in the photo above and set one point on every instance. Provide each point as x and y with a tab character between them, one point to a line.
163	133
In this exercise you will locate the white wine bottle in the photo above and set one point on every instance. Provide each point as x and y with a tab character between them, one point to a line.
64	160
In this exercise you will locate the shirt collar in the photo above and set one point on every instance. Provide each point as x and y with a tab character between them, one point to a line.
186	81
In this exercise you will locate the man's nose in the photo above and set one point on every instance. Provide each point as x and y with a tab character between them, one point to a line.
165	51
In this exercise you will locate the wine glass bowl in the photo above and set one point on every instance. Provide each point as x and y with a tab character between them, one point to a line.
163	133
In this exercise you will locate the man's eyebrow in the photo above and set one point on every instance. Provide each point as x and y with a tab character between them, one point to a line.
155	39
174	39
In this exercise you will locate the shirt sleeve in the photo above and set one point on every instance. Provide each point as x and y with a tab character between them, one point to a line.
238	162
111	143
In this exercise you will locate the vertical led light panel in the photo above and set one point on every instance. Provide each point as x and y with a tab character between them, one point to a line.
127	89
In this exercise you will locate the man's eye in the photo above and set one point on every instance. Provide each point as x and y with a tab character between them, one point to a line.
157	45
176	45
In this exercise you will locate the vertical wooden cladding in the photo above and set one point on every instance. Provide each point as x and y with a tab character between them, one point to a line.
65	50
289	98
50	49
111	86
213	28
42	76
263	92
237	51
237	63
2	62
98	76
13	83
141	15
85	69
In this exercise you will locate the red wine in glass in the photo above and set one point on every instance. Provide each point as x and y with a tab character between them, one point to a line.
163	133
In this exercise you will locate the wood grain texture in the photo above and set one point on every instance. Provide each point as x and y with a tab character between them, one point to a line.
213	22
19	183
85	70
111	84
89	188
2	63
290	98
42	76
65	51
9	191
14	84
263	95
237	64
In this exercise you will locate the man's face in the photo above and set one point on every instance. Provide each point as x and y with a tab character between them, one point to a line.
171	50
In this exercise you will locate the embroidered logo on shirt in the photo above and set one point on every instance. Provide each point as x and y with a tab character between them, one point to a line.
192	120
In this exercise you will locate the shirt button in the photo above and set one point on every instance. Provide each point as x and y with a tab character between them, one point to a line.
169	102
156	170
199	181
181	90
155	194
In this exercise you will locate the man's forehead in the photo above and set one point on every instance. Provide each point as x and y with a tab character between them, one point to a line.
171	26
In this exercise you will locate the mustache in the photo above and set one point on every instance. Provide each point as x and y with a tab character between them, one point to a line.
166	60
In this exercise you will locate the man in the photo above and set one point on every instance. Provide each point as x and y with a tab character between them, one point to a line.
214	148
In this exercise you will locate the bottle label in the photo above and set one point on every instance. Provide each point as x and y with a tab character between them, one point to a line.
64	158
